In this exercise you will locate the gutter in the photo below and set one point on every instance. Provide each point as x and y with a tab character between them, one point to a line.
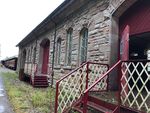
53	63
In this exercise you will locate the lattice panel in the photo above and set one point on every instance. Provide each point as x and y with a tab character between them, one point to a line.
135	85
33	71
71	88
95	72
29	69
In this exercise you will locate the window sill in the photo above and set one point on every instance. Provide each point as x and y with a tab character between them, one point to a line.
57	67
67	67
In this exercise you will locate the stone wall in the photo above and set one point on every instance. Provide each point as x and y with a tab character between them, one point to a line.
101	19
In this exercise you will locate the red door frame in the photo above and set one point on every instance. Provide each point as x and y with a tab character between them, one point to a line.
124	44
45	58
124	53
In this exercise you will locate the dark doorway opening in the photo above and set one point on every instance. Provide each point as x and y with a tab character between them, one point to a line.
138	47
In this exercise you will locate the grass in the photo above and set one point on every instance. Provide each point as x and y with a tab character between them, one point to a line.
26	99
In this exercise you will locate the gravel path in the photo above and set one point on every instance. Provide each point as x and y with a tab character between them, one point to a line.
5	107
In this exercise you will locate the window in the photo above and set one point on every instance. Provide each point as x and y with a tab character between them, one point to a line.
69	46
31	54
83	45
34	55
58	51
28	60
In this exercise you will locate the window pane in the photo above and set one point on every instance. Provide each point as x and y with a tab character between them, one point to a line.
69	47
58	52
83	46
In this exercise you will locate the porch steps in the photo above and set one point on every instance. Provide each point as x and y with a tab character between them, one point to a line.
40	81
99	107
95	105
127	110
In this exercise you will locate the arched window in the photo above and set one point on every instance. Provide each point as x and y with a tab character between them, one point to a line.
31	54
83	45
58	51
34	55
28	60
69	46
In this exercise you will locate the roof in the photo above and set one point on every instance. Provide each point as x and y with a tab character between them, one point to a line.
62	11
10	58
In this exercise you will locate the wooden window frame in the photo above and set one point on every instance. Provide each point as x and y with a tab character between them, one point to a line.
69	47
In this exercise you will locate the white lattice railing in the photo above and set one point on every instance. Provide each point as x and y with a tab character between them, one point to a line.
135	85
30	68
70	88
96	71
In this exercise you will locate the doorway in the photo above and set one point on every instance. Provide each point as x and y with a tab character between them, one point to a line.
45	55
138	50
138	46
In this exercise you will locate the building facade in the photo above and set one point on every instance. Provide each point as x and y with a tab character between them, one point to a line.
84	30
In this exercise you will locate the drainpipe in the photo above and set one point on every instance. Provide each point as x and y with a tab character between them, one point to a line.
53	53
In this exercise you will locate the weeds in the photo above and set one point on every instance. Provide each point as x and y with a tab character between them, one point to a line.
26	99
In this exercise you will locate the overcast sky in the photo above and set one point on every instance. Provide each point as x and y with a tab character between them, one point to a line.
18	18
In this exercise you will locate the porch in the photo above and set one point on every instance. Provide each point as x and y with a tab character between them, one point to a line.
32	74
87	88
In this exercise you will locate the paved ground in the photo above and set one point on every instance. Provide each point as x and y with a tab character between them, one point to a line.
4	103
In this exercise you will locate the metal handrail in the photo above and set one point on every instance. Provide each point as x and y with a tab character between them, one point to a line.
71	72
104	75
85	99
57	83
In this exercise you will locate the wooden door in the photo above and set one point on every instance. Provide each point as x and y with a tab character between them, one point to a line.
124	54
45	59
124	44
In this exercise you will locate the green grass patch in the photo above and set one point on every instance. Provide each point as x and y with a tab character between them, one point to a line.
26	99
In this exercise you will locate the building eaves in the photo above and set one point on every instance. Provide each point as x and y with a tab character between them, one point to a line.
35	32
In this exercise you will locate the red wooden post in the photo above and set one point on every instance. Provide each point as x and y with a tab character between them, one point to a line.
85	100
87	74
56	97
107	79
124	50
119	88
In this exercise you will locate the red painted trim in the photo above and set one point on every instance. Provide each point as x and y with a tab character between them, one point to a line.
71	72
56	97
137	17
125	107
104	75
107	81
117	110
87	75
102	103
45	59
79	68
119	82
85	100
86	95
